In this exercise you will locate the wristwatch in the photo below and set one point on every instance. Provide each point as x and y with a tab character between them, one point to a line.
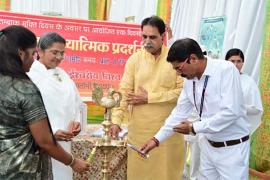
191	130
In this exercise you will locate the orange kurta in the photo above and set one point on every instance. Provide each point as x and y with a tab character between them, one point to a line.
163	85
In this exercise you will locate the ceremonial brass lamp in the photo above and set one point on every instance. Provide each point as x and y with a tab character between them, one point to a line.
106	144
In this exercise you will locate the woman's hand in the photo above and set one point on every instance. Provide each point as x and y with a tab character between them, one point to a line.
114	130
80	165
62	135
74	127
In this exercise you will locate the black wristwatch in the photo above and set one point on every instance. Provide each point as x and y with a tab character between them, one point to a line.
191	130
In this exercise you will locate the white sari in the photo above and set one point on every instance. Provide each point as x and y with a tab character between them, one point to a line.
62	102
253	101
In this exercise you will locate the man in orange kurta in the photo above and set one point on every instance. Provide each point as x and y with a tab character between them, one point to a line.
150	88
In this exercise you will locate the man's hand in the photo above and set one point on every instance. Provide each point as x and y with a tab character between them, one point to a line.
62	135
146	148
74	127
183	128
114	130
139	98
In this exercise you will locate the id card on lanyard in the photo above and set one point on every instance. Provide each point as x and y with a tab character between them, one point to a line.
203	94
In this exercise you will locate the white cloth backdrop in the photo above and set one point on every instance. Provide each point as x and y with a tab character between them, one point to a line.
140	9
244	26
67	8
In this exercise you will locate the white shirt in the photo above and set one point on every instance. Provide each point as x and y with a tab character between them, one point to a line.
223	115
253	101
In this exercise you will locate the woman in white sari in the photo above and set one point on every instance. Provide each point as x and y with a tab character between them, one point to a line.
59	93
250	90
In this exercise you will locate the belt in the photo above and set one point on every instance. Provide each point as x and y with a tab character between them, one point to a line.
228	143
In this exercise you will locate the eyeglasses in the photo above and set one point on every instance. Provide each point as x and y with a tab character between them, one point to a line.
179	68
57	53
152	37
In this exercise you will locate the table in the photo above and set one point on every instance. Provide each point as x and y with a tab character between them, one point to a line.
81	147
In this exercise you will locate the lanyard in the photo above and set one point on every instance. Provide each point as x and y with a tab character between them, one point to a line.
203	92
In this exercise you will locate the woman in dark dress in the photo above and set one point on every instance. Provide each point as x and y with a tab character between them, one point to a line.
26	138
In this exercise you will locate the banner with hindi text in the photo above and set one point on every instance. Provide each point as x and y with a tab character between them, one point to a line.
96	51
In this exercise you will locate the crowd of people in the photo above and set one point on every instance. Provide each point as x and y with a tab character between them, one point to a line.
167	92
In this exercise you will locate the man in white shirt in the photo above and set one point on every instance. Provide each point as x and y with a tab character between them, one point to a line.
213	87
